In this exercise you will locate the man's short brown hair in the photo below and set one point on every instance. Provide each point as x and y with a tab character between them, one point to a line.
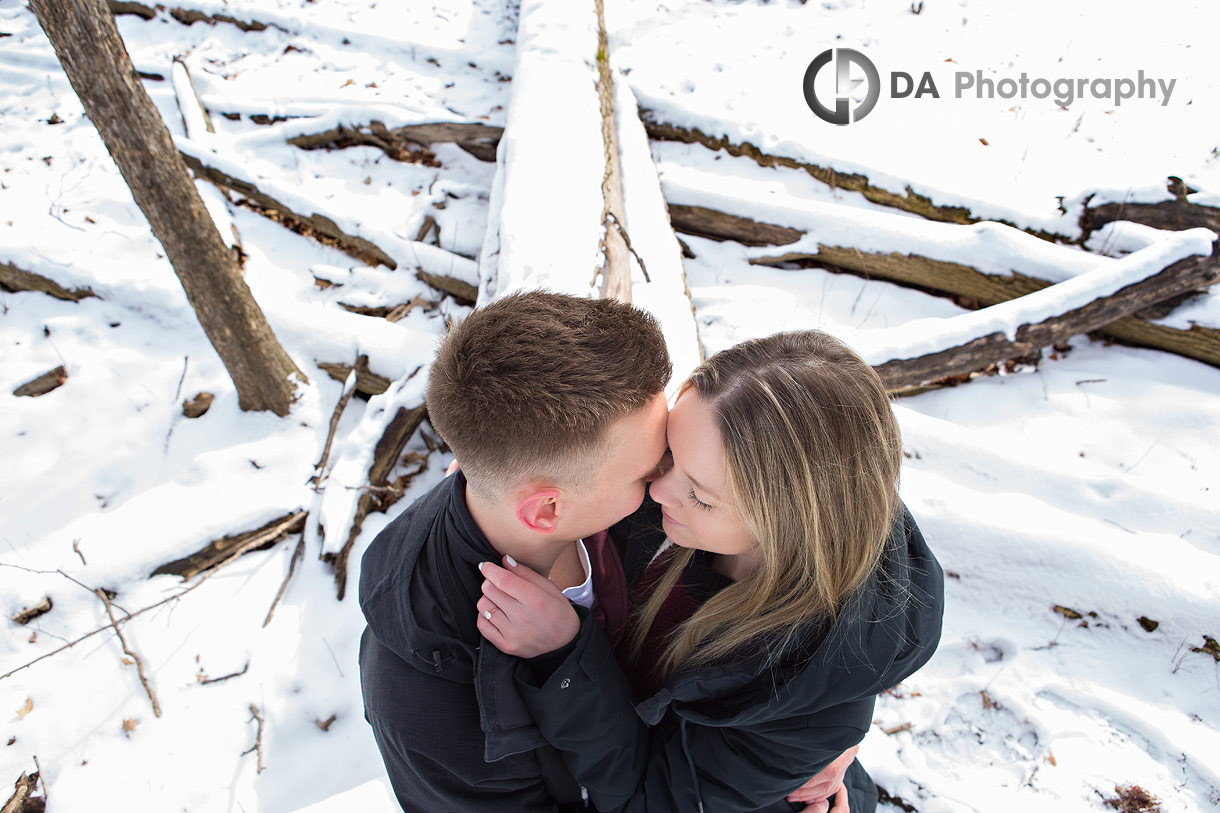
526	386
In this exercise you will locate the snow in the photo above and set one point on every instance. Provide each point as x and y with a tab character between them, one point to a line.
1088	482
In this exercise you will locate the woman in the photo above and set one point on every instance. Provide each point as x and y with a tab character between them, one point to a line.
797	588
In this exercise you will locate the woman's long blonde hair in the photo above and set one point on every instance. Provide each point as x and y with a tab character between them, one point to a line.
813	454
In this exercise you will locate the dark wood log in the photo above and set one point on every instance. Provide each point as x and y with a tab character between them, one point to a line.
1171	215
185	16
223	549
21	801
367	382
320	227
30	613
14	279
311	225
935	276
404	143
377	497
50	380
88	45
1185	275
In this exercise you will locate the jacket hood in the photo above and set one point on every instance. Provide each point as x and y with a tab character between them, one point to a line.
885	633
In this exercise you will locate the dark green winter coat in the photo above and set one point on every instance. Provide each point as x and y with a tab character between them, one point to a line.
741	735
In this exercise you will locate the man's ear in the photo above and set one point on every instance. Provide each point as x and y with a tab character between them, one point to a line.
539	511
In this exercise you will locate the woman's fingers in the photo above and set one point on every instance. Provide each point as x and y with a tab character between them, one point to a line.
840	801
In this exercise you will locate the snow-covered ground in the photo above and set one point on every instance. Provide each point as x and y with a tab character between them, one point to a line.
1067	502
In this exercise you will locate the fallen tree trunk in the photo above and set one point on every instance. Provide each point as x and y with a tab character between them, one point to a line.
1170	215
962	352
403	143
934	275
225	548
616	268
908	201
322	228
186	16
367	382
14	279
377	497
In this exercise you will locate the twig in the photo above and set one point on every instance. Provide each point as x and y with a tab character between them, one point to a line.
296	554
76	547
42	777
177	393
139	663
207	575
258	737
206	681
627	241
349	386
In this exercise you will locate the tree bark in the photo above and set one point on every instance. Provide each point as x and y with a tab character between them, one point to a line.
15	279
935	276
616	270
88	45
1185	275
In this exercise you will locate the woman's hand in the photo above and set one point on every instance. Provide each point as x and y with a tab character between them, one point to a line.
826	792
523	613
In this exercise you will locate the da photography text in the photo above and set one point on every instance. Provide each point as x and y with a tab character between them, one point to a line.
849	91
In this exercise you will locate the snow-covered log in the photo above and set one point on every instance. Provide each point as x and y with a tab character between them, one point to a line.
544	224
198	126
16	279
225	548
478	139
928	349
441	269
987	262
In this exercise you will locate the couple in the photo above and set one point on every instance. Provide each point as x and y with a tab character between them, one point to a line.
720	644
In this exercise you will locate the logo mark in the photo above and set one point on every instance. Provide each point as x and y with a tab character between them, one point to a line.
843	58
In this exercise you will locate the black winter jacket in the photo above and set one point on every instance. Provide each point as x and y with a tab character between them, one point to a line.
445	711
742	735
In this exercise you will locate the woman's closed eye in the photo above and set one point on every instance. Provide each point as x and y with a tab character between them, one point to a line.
698	502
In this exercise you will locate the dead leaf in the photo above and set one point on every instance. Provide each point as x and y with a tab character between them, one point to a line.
983	141
128	661
1050	757
26	709
326	724
129	725
1067	612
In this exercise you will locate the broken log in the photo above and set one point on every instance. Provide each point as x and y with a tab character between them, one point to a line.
30	613
322	228
316	223
50	380
22	800
187	16
376	498
15	280
1171	215
220	551
367	382
197	124
976	353
933	275
405	143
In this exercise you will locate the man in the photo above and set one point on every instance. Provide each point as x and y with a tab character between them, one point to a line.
555	407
